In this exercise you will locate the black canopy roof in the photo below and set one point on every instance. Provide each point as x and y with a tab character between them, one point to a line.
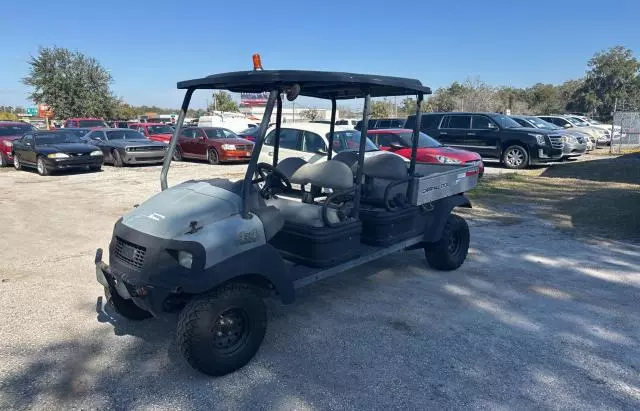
320	84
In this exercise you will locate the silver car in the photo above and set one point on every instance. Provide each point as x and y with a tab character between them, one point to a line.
575	143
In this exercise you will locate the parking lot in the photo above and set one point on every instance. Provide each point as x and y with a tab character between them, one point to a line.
535	318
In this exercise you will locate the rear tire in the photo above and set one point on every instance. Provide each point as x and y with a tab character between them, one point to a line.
117	159
41	166
16	162
212	157
450	252
220	332
127	308
515	157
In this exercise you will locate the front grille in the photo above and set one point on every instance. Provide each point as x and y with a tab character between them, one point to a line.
146	148
77	154
556	141
244	147
129	253
580	139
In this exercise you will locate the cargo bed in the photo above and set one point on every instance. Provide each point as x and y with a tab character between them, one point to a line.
435	181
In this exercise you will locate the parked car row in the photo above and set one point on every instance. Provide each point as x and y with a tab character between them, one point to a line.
24	146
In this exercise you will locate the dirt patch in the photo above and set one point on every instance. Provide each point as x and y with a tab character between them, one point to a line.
599	197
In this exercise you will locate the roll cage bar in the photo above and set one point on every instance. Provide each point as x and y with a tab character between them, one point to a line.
326	85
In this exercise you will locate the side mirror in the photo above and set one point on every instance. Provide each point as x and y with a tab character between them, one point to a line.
396	146
567	125
321	151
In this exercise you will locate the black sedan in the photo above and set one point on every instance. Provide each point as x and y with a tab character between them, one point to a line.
50	151
126	146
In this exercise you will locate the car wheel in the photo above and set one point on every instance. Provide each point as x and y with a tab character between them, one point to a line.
221	331
117	159
177	154
127	308
515	157
42	167
451	250
212	157
3	160
16	162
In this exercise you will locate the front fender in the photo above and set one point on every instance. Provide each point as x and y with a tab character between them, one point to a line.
263	261
440	214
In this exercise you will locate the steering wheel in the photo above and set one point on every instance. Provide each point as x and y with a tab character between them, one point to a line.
274	180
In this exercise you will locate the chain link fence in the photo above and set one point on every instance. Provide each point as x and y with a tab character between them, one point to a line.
626	132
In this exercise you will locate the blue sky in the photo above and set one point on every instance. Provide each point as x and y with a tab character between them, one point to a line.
149	46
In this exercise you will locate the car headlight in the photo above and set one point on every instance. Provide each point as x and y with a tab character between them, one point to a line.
185	259
447	160
96	153
8	143
539	138
569	139
228	147
58	155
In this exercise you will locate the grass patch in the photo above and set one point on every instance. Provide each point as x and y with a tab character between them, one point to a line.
599	197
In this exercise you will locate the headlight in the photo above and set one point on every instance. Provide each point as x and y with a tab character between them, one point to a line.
539	138
228	147
8	143
96	153
127	149
569	139
58	155
185	259
447	160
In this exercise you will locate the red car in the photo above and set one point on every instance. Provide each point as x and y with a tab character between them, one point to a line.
154	131
9	131
398	140
214	144
85	123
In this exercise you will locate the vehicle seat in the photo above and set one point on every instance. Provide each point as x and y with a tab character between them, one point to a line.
386	177
332	174
290	165
350	158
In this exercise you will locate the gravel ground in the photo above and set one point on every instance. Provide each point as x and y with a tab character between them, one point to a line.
534	319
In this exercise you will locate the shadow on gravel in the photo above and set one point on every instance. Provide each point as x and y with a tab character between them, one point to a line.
517	327
622	169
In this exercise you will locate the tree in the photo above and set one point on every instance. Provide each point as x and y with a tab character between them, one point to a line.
381	108
544	99
311	114
5	115
71	83
613	74
222	101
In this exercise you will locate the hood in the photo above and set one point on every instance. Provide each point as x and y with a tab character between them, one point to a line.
533	130
169	213
235	141
67	147
462	155
135	143
10	138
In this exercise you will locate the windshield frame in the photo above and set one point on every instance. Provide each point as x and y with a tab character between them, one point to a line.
92	124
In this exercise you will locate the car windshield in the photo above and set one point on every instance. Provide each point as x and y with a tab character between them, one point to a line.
506	122
80	132
424	141
15	130
249	131
540	123
125	135
217	133
160	129
350	140
57	138
576	121
92	123
595	122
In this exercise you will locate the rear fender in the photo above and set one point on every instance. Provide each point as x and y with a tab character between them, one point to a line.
440	214
261	266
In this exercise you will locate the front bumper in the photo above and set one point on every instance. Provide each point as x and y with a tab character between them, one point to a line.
73	162
546	154
148	298
235	155
144	157
573	149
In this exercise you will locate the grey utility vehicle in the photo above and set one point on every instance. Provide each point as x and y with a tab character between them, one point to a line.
213	249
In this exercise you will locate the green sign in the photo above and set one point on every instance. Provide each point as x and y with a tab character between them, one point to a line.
32	111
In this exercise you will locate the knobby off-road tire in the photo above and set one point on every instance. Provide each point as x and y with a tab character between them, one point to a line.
219	332
127	308
450	252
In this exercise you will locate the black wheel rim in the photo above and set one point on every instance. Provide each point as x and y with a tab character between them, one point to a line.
231	331
40	166
213	156
455	242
